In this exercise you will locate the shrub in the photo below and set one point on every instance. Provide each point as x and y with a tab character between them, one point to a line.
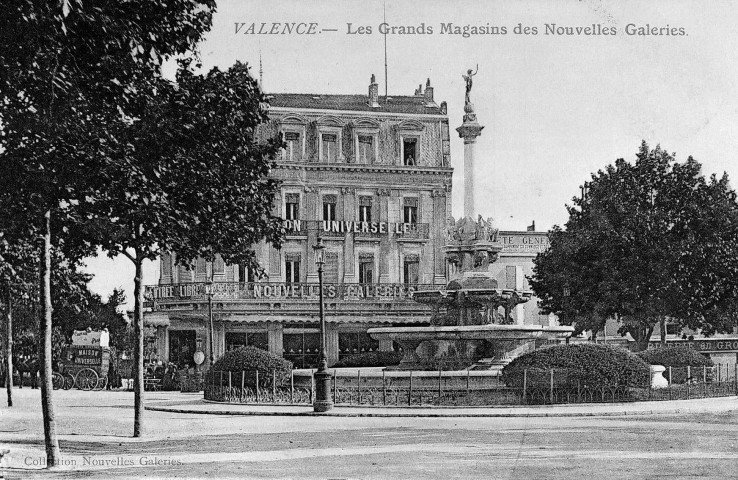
249	360
679	358
587	364
370	359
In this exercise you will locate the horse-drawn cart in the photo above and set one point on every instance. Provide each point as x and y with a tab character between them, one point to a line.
85	363
84	367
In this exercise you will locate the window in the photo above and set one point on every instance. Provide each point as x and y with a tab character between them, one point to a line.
246	274
366	149
409	151
411	269
353	343
511	276
235	340
182	346
366	269
365	209
218	266
292	206
184	274
410	210
330	269
330	147
329	208
166	266
293	150
201	268
292	268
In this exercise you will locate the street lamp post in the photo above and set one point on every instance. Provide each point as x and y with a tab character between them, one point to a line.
323	401
209	291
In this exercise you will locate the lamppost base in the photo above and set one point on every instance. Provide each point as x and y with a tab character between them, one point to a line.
322	406
323	401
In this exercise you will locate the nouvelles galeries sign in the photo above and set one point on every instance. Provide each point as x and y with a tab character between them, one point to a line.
232	290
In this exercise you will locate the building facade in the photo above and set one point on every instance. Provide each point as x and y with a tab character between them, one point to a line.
371	176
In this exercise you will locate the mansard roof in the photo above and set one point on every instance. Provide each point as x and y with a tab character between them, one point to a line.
394	104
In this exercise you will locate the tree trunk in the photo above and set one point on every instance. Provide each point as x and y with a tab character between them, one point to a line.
44	351
662	327
644	336
9	347
138	349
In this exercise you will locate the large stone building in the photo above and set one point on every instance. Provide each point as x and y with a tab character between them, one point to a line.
372	176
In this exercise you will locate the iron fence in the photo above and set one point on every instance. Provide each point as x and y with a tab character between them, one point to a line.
538	387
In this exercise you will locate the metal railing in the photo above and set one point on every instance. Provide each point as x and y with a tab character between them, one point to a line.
414	231
465	388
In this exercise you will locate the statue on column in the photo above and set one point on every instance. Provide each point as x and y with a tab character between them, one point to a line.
468	78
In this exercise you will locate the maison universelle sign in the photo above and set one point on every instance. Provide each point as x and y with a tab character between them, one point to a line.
350	226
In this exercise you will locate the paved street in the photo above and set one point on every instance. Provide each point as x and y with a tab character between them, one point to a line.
95	440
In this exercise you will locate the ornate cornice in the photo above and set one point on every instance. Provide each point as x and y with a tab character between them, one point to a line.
357	167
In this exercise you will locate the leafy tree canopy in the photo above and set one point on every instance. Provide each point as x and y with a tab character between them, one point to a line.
189	176
650	240
68	76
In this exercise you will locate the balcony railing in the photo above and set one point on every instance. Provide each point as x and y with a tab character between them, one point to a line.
414	231
270	291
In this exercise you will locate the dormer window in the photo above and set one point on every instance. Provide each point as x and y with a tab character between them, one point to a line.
294	148
329	130
410	132
293	131
329	144
366	140
366	149
410	151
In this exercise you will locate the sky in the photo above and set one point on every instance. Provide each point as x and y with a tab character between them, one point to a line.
556	108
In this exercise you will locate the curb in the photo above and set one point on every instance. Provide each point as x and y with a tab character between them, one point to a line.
430	414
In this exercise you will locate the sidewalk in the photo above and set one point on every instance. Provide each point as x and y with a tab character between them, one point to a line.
175	402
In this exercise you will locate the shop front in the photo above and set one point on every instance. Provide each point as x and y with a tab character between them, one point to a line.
279	318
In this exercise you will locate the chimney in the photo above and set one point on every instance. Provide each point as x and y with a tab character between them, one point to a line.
444	108
419	90
373	93
429	95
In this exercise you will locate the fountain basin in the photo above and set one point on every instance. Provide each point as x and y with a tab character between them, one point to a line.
469	342
472	332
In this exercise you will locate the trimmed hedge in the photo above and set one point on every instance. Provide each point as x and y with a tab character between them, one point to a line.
249	360
679	358
586	364
370	359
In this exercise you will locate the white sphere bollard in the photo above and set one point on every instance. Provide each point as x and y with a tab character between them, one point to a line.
657	379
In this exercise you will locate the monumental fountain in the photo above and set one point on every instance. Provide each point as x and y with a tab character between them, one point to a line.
472	323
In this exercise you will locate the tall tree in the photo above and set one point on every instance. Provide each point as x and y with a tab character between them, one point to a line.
61	86
651	241
191	179
17	277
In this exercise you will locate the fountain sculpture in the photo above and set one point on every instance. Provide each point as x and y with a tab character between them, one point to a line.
472	324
